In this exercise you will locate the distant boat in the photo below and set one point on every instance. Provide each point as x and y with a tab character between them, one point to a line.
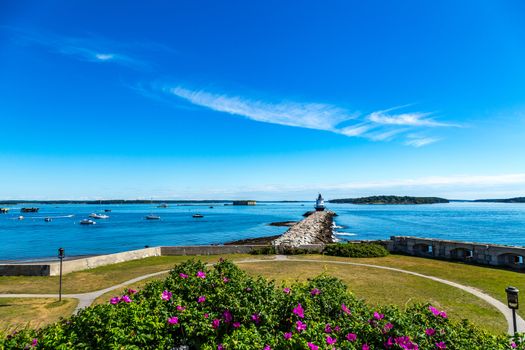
163	205
198	215
152	217
20	217
98	216
211	207
87	222
48	219
29	210
107	210
4	210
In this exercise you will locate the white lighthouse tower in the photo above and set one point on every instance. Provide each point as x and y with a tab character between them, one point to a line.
319	203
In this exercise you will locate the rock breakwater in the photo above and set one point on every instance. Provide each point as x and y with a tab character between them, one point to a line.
314	229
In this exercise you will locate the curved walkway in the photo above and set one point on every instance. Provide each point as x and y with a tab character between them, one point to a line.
86	299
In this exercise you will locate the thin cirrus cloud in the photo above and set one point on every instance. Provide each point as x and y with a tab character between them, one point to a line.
89	49
376	126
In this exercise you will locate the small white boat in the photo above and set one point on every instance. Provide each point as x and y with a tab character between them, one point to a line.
152	217
98	216
198	216
20	217
48	219
87	222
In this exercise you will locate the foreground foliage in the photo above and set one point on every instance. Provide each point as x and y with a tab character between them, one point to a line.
356	250
224	308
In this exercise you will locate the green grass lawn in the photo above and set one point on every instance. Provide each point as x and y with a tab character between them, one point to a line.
99	277
16	313
381	287
492	281
374	285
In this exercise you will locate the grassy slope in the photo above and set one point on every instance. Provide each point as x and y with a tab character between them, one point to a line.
19	313
490	280
380	287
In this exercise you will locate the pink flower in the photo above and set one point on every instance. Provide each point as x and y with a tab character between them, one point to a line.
387	327
236	324
227	315
443	314
312	346
201	274
220	347
114	300
255	318
173	320
201	299
126	299
315	291
183	275
300	326
287	335
206	315
166	295
132	291
226	280
337	328
267	347
180	308
286	290
436	312
513	345
330	340
378	316
34	342
345	309
351	337
441	345
299	311
327	328
365	347
215	323
430	331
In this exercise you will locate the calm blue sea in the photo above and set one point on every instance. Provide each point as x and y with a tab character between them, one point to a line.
126	228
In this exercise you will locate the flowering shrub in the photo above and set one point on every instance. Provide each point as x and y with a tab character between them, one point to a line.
356	250
224	308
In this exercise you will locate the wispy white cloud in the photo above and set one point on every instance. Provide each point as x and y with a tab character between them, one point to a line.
90	49
420	142
377	126
305	115
406	119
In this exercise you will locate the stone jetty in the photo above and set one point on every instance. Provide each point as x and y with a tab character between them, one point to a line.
314	229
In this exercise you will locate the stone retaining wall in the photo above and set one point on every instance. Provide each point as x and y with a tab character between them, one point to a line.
479	253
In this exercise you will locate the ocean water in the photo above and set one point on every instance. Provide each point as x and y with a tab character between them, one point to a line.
126	228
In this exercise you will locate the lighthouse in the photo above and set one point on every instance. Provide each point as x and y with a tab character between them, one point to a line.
319	203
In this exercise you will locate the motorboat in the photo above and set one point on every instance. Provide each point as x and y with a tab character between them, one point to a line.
87	222
163	205
29	210
197	216
107	210
20	217
48	219
98	216
152	217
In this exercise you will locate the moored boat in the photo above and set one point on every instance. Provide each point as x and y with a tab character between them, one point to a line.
87	222
4	210
98	216
198	216
48	219
29	210
107	210
152	217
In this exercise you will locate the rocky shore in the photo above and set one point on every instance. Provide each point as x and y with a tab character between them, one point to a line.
314	229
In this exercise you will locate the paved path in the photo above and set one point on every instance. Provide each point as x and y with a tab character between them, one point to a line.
86	299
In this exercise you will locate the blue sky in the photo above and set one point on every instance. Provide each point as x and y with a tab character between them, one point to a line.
266	100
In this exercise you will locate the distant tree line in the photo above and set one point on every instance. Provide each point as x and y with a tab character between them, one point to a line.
391	200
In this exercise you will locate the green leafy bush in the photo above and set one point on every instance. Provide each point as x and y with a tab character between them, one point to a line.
356	250
224	308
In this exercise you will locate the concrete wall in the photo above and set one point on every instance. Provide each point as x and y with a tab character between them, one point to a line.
479	253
